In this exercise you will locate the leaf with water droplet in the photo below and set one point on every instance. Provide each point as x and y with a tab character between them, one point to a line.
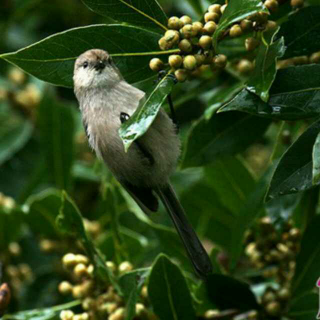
294	170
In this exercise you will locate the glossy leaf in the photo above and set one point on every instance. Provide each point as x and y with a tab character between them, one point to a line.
14	133
57	136
315	161
168	291
265	67
228	293
305	39
308	261
294	171
304	308
52	59
236	11
41	314
146	14
131	284
222	134
196	6
145	114
70	221
41	211
294	95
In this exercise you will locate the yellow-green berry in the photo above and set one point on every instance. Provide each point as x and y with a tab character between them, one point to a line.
211	16
210	27
220	60
156	64
200	58
272	5
223	7
246	24
271	25
205	42
186	31
297	3
251	43
69	260
197	28
315	57
80	270
65	287
164	44
273	308
181	75
186	20
235	31
245	66
174	23
190	62
175	61
172	37
66	315
185	45
215	8
125	266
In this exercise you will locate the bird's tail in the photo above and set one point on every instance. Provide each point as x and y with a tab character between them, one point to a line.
195	250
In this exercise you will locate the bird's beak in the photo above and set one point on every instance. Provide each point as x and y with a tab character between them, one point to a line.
100	65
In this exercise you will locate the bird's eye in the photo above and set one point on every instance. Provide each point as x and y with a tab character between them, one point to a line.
109	59
85	64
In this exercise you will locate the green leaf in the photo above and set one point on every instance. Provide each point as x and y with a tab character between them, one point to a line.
146	14
237	10
57	135
315	161
196	6
308	261
294	171
145	114
70	221
41	314
168	291
294	95
15	132
265	67
52	59
41	211
302	32
228	293
131	284
222	134
304	308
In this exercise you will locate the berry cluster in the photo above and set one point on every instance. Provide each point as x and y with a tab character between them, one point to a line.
300	60
97	302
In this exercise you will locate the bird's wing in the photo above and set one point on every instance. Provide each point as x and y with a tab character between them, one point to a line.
144	197
195	250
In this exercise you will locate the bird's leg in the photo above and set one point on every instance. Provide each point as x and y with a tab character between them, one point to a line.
123	118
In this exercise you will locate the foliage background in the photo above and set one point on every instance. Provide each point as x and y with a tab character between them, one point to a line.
231	161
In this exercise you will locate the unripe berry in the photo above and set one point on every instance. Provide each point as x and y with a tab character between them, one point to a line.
69	260
175	61
210	27
140	309
297	3
200	59
144	292
174	23
223	8
185	45
215	8
156	64
272	5
186	31
80	258
117	315
271	25
284	294
77	292
220	60
235	31
208	56
251	43
181	75
205	42
111	265
300	60
190	62
88	303
210	314
315	57
186	20
246	24
80	270
197	28
164	44
16	76
125	266
211	16
66	315
245	66
273	308
172	36
65	287
14	249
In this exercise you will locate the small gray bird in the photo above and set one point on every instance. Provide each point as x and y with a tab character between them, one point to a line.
106	101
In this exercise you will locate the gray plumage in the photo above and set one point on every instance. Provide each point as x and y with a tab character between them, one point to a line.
103	95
